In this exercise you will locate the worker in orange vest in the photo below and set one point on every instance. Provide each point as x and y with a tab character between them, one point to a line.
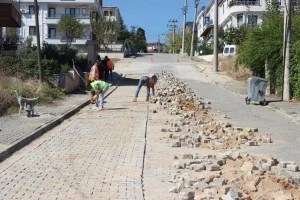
110	67
94	72
93	76
147	81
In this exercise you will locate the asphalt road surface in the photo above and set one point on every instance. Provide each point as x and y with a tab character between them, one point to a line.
208	84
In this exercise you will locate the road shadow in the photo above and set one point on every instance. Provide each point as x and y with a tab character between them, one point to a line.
274	101
115	108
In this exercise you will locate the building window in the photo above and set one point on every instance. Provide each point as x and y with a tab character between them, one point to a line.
52	12
31	10
206	21
32	30
252	20
276	2
52	33
84	11
239	18
73	12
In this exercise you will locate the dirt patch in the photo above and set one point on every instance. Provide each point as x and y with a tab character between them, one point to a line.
229	65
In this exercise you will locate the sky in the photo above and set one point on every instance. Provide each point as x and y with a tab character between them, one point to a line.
153	15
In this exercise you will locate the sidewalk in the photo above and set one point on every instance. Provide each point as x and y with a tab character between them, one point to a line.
16	130
288	109
96	154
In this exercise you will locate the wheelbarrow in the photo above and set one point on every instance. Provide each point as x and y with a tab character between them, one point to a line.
26	104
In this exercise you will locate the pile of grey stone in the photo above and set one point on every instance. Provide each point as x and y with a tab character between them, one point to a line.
201	177
191	130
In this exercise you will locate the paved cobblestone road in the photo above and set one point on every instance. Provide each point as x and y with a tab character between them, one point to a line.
93	155
118	153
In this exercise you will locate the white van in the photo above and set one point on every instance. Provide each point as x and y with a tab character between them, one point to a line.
229	50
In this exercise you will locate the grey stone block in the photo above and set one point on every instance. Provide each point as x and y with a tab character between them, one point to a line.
292	167
217	182
201	185
186	194
284	164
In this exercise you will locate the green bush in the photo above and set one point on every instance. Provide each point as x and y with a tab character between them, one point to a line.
66	54
50	51
29	68
295	71
81	63
65	68
9	64
50	67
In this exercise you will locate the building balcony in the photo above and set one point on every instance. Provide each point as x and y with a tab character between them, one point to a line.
208	26
244	3
53	19
245	6
10	14
58	39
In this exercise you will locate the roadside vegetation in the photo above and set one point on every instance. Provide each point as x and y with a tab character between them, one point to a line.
260	51
20	73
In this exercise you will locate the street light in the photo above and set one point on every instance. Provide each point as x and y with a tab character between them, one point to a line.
193	33
173	26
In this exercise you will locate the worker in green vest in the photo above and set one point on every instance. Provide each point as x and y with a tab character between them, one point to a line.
99	87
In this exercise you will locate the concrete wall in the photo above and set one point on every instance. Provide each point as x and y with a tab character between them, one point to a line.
118	55
71	81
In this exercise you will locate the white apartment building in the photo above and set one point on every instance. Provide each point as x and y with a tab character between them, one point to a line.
113	14
231	13
50	12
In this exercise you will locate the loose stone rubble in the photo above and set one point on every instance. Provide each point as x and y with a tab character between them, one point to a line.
227	173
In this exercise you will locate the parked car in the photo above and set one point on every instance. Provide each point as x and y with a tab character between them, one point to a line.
229	50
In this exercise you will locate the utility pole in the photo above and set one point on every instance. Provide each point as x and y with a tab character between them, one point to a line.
158	44
193	33
173	26
286	51
216	27
36	11
184	9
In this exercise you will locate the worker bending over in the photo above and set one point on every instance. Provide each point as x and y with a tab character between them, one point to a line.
99	88
149	82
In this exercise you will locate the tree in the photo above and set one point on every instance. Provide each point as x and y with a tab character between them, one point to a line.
233	35
105	30
123	33
70	28
262	49
139	40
